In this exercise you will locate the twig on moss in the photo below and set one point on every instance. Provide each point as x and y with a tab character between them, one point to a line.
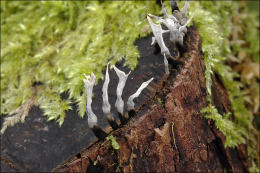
19	114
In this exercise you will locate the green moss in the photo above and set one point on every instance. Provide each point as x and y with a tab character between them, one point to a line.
113	141
234	133
54	43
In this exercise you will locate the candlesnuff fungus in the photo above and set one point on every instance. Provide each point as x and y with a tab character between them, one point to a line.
175	23
185	8
157	32
121	84
181	15
89	83
130	102
106	106
168	16
177	16
153	38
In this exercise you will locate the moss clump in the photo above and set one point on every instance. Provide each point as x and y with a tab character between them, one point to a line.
235	135
47	46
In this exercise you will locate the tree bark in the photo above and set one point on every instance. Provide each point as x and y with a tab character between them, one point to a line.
168	133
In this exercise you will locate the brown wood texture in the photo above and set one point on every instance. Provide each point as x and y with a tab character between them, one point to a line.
168	133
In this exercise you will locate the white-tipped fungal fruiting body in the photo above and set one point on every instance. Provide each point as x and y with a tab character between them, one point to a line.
130	102
157	32
89	82
106	106
121	84
176	23
185	8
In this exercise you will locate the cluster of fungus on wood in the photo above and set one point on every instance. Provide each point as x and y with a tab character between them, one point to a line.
89	82
176	25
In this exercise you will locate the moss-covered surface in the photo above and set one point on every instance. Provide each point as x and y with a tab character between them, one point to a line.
47	46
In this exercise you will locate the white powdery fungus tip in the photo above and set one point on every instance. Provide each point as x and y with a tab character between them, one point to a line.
153	38
130	102
121	84
89	82
157	32
185	8
106	106
168	15
175	23
183	28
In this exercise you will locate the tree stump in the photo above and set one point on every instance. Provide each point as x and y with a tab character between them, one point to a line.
168	132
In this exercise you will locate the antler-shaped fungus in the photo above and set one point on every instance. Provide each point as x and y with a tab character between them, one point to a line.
175	23
119	101
157	32
130	102
106	106
89	82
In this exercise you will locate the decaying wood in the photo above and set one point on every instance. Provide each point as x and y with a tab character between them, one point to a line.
169	134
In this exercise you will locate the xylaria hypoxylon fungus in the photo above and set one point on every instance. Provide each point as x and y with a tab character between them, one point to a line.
130	102
89	82
157	32
176	25
106	106
121	84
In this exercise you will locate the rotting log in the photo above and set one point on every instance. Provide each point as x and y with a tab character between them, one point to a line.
168	132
